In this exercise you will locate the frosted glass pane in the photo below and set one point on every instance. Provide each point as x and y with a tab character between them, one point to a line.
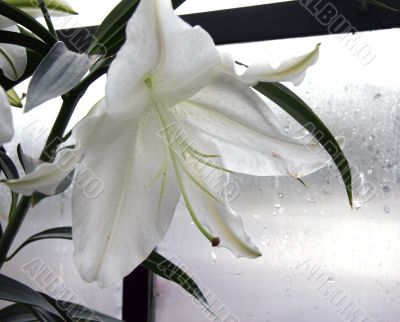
321	260
47	266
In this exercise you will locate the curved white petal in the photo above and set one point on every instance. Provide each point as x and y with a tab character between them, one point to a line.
162	50
117	228
47	177
13	58
56	74
246	132
293	70
204	189
6	122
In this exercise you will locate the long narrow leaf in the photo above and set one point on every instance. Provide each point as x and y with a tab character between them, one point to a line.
155	263
76	312
54	233
14	291
16	313
22	18
10	171
168	270
303	114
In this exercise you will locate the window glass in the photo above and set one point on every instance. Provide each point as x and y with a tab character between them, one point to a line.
322	261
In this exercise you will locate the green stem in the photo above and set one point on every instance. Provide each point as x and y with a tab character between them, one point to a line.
13	226
70	100
54	139
47	18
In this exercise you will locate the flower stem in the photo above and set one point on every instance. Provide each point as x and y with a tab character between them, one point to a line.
47	18
55	138
13	226
17	216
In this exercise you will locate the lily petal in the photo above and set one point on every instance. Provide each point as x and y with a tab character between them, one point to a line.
6	122
248	136
58	73
161	51
292	70
204	190
13	59
48	178
133	212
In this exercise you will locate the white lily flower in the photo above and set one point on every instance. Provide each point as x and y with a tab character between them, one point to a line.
176	121
6	122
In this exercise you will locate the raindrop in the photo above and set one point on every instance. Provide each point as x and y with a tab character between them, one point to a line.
277	205
357	204
311	200
213	257
386	209
386	189
280	195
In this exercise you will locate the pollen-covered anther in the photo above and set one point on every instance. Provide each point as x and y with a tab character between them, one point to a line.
215	242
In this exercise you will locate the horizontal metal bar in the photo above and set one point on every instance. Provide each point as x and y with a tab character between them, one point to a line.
273	21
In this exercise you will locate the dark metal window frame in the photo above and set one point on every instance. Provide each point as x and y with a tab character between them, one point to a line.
257	23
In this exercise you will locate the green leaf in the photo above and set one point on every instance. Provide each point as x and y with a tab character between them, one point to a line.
168	270
14	291
34	60
155	263
76	312
382	5
112	29
25	20
16	313
303	114
54	233
110	35
43	315
32	7
13	98
10	172
22	313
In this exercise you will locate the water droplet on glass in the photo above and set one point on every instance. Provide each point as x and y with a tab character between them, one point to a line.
357	204
386	189
213	257
311	200
277	205
386	209
280	195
